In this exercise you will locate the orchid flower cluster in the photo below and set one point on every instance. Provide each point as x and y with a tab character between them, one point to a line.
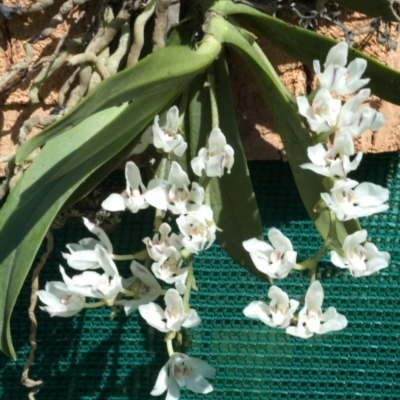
168	255
345	199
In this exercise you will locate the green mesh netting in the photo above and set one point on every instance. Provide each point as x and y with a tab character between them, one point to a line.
91	357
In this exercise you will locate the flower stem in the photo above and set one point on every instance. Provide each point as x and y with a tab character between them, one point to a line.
190	284
122	257
169	347
96	304
213	97
128	292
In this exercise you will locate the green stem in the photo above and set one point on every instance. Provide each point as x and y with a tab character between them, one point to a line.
213	97
123	257
96	304
170	348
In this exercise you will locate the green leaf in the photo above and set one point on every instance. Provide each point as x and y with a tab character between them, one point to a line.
373	8
156	74
199	115
305	45
295	136
38	196
232	196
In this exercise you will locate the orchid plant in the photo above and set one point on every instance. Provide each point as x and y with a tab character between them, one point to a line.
174	106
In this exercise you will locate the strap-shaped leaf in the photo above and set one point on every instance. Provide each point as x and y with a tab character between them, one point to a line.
38	196
295	136
305	45
232	197
373	8
156	74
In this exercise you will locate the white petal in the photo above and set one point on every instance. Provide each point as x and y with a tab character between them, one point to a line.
200	367
191	319
132	175
333	321
83	260
337	260
177	176
154	315
197	384
317	154
99	233
114	202
254	244
105	261
157	194
214	166
279	240
173	389
173	118
259	310
369	194
198	164
162	381
337	55
315	296
217	140
144	275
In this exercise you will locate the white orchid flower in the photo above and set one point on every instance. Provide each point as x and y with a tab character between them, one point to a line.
60	301
218	156
149	291
174	316
182	370
356	120
349	199
278	313
174	194
323	113
82	255
92	284
162	241
169	270
135	200
361	260
198	229
276	261
311	318
336	77
335	161
166	137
